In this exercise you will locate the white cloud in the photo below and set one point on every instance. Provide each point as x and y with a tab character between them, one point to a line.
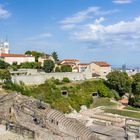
45	35
41	36
122	1
80	17
100	20
4	14
123	33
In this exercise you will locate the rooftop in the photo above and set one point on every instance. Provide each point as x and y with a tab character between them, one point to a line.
102	63
71	60
83	64
14	55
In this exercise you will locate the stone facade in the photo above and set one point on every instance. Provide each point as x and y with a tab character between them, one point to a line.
45	123
39	78
101	68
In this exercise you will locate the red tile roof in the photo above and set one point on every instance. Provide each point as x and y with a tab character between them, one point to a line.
71	60
83	64
13	55
102	64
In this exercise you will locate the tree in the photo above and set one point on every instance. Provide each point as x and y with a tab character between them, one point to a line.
31	65
136	84
57	69
66	68
55	56
3	65
5	74
35	54
28	52
119	81
48	66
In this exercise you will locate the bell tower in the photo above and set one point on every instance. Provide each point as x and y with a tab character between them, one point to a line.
5	47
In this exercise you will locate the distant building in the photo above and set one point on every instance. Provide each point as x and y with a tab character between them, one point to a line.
71	62
98	68
124	68
41	59
4	47
18	58
83	67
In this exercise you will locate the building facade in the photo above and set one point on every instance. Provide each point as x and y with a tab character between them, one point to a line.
71	62
99	67
16	58
45	57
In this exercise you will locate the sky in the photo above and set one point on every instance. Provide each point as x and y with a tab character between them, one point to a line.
88	30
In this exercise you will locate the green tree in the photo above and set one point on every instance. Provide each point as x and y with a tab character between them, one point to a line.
119	81
48	66
28	52
136	84
55	56
66	68
57	69
5	74
31	65
3	65
35	54
15	66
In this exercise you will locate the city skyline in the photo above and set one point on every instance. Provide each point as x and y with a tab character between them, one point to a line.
86	30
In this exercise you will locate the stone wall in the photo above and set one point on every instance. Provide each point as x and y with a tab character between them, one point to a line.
36	79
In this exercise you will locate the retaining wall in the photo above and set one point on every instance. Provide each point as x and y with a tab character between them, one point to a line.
36	79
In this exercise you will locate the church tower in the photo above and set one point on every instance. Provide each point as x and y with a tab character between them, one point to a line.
4	47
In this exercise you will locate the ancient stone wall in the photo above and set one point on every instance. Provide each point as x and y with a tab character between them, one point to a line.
37	79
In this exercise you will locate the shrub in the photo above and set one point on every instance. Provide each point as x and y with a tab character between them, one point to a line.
57	82
16	87
66	68
5	74
3	65
57	69
66	80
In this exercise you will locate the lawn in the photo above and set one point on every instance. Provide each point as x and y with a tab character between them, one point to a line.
102	102
123	113
132	108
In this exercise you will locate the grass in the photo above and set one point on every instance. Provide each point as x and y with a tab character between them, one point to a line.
102	102
123	113
132	108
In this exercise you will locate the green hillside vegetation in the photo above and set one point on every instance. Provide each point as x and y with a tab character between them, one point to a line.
123	113
103	102
50	92
132	108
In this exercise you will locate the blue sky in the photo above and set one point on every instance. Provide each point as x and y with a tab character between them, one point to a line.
102	30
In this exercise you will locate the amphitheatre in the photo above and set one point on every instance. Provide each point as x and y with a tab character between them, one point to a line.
26	118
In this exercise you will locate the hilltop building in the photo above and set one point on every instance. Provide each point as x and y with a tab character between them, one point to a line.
6	56
83	67
16	58
99	69
41	59
4	47
71	62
